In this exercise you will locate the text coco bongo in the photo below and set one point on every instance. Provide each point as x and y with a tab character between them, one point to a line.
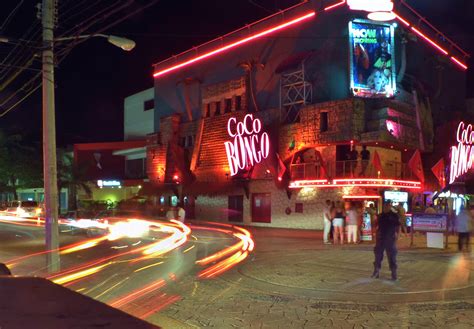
249	147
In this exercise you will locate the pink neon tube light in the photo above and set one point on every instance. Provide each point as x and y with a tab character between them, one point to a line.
235	44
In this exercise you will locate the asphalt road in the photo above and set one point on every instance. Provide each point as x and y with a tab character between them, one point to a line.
126	272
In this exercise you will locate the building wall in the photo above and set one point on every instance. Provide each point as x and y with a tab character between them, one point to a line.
215	208
138	122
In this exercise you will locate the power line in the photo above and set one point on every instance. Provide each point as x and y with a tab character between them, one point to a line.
10	16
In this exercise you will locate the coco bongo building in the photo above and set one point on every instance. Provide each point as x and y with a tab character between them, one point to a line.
260	125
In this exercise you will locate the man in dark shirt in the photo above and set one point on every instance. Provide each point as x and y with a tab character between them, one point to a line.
365	157
387	234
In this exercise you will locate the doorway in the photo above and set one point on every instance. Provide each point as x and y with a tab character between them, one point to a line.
236	208
261	208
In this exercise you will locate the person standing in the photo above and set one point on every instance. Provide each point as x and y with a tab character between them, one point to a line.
338	215
352	224
327	221
387	234
463	227
353	155
403	218
430	209
365	158
181	214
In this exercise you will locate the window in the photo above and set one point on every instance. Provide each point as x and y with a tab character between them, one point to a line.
218	108
149	105
228	105
135	168
238	103
298	208
207	111
323	122
189	141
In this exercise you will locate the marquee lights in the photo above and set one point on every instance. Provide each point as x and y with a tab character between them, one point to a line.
249	147
361	182
237	43
462	155
361	197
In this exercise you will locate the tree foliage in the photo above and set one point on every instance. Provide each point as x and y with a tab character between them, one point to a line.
20	163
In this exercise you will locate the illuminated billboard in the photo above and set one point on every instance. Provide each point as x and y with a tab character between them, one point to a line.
372	59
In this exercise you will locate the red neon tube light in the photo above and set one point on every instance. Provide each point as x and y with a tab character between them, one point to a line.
335	5
377	180
462	65
361	196
434	44
235	44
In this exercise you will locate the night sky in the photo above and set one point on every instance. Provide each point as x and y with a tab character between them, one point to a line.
94	79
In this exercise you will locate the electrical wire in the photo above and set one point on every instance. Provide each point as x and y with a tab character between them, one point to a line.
10	16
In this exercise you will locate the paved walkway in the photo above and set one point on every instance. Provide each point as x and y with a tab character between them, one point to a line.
292	280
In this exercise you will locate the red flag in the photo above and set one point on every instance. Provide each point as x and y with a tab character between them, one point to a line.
281	168
416	166
376	162
438	171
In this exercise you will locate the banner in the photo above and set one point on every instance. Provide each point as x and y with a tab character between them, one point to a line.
416	166
438	171
372	59
430	222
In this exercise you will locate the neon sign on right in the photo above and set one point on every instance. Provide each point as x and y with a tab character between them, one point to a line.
462	154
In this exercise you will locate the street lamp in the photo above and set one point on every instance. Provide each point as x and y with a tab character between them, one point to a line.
49	129
124	43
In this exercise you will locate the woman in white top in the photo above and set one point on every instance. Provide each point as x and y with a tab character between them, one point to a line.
352	223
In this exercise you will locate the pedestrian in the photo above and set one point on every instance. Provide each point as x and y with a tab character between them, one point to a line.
430	209
338	215
365	158
463	227
327	219
171	213
352	223
181	214
352	157
402	218
387	235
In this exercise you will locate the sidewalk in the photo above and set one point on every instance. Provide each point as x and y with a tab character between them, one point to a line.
293	280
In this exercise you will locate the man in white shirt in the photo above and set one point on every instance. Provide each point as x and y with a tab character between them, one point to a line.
327	221
181	214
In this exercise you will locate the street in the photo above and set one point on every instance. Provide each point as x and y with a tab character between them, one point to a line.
290	280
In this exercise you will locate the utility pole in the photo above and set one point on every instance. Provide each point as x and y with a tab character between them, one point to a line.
49	139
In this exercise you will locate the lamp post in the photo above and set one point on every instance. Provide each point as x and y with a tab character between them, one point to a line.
49	129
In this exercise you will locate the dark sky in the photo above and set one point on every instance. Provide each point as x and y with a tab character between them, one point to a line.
94	79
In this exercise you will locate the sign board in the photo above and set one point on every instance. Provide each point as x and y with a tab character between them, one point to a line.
372	59
435	240
249	146
430	222
395	196
462	154
108	183
366	227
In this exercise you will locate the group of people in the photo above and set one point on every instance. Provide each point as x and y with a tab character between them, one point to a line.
387	225
353	155
336	217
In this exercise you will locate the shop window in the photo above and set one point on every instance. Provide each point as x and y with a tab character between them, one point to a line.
228	105
299	208
323	122
149	105
238	103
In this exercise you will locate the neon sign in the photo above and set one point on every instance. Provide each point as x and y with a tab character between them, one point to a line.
370	5
462	155
249	147
108	183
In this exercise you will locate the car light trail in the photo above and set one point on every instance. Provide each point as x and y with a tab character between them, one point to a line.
79	275
138	293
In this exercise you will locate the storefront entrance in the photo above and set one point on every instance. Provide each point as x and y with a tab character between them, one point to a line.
261	208
236	208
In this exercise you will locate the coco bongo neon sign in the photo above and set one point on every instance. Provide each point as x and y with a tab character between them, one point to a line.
462	155
249	147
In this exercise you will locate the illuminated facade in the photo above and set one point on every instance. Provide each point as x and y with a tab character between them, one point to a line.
258	126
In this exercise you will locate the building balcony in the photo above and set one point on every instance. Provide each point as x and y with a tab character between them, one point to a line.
352	173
